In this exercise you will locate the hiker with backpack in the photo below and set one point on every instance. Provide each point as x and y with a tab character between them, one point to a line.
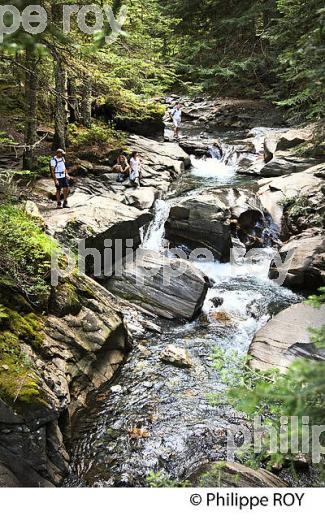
176	114
60	176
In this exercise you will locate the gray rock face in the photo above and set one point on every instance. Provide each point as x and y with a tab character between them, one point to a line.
232	474
284	163
83	342
211	219
306	184
307	267
285	337
168	288
276	141
94	219
235	113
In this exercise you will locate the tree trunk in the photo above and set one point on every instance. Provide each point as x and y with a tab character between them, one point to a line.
61	105
86	103
73	100
31	89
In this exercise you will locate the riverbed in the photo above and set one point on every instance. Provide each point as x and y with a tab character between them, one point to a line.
155	417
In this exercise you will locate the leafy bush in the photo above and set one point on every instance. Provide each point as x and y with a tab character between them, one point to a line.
43	165
159	480
5	139
96	135
25	254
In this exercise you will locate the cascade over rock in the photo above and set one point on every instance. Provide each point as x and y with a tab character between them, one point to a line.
212	219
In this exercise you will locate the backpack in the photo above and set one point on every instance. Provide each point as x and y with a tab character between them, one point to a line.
56	163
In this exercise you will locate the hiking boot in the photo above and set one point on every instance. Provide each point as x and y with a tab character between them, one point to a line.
59	205
65	204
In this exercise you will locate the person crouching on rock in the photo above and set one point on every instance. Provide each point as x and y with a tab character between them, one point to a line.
122	167
135	167
61	178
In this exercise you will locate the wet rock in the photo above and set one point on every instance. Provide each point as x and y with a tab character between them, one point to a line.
168	288
16	472
217	302
212	219
232	474
176	356
286	337
194	147
8	478
306	270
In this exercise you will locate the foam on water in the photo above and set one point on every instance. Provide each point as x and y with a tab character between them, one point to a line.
212	168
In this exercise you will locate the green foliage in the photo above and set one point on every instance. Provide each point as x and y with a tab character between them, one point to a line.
159	480
296	207
297	39
25	253
43	165
5	139
96	135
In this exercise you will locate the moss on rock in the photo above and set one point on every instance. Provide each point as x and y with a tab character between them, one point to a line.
18	381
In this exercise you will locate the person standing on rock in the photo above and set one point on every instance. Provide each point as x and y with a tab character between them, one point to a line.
135	167
176	114
61	178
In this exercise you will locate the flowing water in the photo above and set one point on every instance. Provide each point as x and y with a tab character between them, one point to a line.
154	416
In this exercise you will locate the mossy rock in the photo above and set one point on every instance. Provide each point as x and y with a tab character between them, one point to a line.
64	300
19	383
10	296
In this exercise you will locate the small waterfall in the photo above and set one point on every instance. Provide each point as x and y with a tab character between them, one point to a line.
216	152
154	237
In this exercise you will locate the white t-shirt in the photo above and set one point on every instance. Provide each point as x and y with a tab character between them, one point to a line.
135	168
177	115
59	165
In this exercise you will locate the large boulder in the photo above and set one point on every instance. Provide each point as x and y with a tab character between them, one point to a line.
141	198
304	261
284	163
170	288
228	112
285	337
94	219
213	218
307	185
234	475
276	140
167	156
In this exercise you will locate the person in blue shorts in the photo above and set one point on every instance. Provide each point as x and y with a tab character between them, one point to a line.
61	178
